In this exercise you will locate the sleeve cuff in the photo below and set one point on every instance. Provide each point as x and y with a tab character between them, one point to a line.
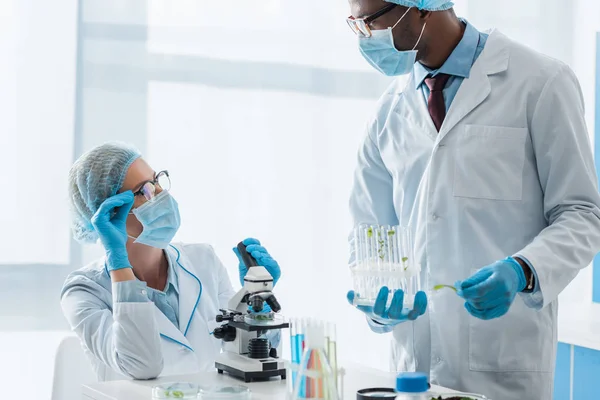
274	337
379	328
130	292
534	299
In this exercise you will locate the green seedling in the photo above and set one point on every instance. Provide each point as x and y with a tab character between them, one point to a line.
177	394
452	398
440	287
404	260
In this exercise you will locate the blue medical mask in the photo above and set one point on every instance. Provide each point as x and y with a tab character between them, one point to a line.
160	219
380	52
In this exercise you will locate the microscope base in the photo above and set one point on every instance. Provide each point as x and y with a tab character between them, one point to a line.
249	369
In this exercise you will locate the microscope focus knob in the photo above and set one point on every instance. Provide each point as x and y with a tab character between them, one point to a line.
224	317
226	333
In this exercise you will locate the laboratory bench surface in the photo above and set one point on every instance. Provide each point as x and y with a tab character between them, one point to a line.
357	377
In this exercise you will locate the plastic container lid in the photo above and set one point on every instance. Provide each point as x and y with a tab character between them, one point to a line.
218	392
412	382
175	390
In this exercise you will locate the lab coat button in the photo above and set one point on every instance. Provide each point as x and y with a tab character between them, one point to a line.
434	217
144	292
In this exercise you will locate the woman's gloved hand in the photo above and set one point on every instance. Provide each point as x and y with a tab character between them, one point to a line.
262	257
395	313
110	223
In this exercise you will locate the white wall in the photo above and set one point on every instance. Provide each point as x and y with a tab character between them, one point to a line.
37	102
38	43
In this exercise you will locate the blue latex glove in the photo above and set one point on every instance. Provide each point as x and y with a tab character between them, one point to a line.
261	255
396	313
490	292
109	222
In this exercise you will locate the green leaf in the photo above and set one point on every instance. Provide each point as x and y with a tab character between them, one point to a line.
439	287
391	233
404	259
178	394
370	232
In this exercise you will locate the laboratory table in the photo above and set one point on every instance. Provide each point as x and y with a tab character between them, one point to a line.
357	377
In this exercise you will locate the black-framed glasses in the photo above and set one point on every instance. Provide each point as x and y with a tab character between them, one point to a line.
360	26
148	188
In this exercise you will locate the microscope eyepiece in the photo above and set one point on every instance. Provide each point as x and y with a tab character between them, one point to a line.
273	303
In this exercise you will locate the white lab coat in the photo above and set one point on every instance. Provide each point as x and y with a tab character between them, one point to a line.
136	340
511	172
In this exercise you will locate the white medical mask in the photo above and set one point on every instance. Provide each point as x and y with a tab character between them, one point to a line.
160	220
380	52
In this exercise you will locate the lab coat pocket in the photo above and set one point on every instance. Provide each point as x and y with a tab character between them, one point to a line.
519	341
489	163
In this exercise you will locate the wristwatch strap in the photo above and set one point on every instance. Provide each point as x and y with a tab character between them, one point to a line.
530	283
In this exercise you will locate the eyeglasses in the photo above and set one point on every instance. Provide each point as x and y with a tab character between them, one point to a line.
148	188
360	26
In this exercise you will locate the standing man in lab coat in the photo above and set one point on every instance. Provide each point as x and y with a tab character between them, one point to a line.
484	152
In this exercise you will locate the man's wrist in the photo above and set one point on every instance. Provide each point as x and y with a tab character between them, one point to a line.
529	276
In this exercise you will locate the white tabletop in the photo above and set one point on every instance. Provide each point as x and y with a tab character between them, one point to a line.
357	377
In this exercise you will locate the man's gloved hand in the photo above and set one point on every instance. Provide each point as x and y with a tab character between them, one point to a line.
396	313
262	257
490	292
110	223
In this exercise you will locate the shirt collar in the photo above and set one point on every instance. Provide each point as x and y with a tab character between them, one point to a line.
172	278
460	61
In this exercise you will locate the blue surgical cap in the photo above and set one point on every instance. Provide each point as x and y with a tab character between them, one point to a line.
96	176
429	5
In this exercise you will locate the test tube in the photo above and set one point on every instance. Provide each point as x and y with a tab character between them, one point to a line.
331	349
316	360
294	348
301	345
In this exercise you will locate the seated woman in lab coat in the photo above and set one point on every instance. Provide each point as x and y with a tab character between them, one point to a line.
148	307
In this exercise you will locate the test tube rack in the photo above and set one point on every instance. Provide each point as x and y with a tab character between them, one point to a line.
383	255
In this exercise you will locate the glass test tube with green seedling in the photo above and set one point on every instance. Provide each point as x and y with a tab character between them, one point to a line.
383	256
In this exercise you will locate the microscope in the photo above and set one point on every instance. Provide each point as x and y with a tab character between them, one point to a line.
246	352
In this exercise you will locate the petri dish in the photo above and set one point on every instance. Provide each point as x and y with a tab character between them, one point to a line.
461	396
376	393
237	392
175	390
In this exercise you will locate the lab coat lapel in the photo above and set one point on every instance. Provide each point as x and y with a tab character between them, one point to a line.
412	107
167	330
475	89
189	289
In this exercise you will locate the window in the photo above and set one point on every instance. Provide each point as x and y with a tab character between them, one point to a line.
37	97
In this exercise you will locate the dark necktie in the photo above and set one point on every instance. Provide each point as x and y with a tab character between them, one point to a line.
436	104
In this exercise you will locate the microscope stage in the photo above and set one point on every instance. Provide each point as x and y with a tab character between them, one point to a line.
240	323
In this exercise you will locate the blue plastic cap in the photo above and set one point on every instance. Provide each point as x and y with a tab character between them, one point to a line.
412	382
